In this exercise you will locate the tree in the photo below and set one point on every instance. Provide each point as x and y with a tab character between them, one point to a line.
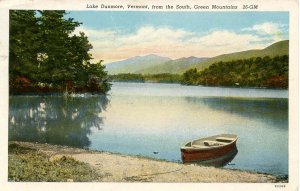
23	46
63	56
45	50
97	77
190	77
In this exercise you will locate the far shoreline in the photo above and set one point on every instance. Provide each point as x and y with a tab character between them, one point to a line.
178	83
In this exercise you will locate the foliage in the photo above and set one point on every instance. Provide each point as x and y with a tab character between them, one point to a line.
253	72
158	78
45	50
190	77
23	45
163	78
127	77
21	83
25	164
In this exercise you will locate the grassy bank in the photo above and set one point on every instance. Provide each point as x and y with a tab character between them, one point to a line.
28	164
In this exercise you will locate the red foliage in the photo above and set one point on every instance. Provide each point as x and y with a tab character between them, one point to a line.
21	82
277	82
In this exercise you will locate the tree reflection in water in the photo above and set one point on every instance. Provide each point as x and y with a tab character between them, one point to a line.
55	119
274	111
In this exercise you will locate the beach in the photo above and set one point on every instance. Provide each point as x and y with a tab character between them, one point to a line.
114	167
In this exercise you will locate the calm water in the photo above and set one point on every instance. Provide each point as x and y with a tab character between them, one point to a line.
140	119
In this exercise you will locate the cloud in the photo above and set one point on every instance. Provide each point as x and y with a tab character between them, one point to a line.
274	30
224	41
111	45
267	28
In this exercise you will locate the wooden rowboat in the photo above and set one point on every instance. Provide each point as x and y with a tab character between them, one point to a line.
208	148
220	161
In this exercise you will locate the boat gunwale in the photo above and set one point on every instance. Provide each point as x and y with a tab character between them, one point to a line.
233	152
191	148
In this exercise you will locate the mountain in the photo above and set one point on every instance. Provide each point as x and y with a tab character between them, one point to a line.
153	64
134	64
277	49
172	66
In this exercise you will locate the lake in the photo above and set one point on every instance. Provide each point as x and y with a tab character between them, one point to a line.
155	120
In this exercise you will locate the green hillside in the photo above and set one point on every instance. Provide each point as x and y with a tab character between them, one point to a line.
263	72
172	66
277	49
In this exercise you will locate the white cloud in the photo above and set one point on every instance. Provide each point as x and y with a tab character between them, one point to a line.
274	30
267	28
264	28
111	45
227	41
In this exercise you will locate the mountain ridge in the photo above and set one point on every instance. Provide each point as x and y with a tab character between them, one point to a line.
279	48
154	64
133	64
172	66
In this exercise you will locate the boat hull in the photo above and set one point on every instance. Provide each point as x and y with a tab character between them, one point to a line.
196	155
220	161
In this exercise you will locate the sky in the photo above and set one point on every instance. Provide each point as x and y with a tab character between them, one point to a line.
118	35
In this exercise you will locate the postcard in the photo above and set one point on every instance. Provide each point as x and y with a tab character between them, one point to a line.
149	95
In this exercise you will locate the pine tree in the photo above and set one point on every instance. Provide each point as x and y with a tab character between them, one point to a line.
45	50
23	47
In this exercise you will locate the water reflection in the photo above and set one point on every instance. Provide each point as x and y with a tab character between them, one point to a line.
55	119
263	109
221	161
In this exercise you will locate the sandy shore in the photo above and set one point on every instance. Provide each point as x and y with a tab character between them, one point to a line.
122	168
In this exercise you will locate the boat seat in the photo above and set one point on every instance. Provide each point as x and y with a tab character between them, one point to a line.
199	146
213	143
225	139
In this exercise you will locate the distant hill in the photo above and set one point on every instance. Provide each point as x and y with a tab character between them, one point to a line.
154	64
132	65
277	49
172	66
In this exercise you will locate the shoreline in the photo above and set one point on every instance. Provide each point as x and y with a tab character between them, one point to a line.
116	167
237	87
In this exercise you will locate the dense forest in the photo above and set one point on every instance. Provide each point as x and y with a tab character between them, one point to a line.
254	72
157	78
45	55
